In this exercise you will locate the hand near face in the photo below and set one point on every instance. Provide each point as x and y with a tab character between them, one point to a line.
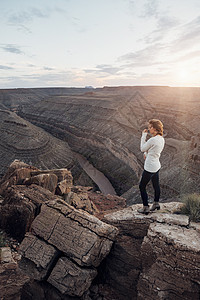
145	131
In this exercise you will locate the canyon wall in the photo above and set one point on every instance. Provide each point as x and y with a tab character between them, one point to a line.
104	126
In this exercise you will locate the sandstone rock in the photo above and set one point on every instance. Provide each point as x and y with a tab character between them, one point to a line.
123	264
42	291
65	247
88	239
6	258
81	189
81	200
70	279
171	263
11	282
37	257
11	278
106	203
171	219
196	226
62	174
47	181
16	174
17	164
63	187
151	248
20	206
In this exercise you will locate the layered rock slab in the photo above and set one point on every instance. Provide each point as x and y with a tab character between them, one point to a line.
20	206
77	241
155	256
39	253
171	263
83	237
24	189
70	279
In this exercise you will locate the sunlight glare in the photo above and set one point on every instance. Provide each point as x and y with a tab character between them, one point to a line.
183	75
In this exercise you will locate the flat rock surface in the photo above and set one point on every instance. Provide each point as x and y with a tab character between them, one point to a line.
81	236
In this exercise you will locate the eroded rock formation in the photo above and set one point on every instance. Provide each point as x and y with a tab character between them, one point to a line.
65	247
62	265
155	256
24	188
68	253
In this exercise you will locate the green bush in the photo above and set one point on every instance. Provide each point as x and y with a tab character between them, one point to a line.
191	207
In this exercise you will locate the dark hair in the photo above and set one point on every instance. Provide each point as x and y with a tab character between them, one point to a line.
158	125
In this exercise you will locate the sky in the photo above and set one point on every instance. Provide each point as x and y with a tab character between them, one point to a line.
78	43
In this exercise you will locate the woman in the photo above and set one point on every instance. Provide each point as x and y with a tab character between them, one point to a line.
152	150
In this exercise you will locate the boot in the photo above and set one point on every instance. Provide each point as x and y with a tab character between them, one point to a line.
144	210
155	206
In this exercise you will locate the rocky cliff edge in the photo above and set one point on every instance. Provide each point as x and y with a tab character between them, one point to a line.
69	253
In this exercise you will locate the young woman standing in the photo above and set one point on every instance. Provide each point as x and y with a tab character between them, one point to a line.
152	150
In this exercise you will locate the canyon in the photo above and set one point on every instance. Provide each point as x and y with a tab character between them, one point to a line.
51	127
70	165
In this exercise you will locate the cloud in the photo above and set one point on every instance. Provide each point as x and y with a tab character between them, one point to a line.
22	18
144	57
27	16
188	56
164	25
189	36
31	65
150	9
11	48
104	69
48	69
60	78
5	68
182	46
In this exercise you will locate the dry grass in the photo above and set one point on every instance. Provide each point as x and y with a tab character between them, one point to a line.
191	207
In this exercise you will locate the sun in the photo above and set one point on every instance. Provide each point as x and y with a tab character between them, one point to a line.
183	75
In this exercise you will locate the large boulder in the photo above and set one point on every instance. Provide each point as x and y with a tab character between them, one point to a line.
20	206
40	253
63	187
17	173
47	181
65	247
88	239
70	278
62	174
79	198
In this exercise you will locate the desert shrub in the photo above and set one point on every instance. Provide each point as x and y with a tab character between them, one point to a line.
191	206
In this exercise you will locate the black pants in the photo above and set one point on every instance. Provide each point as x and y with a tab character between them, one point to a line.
146	177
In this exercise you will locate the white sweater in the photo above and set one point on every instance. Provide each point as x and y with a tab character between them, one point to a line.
153	148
